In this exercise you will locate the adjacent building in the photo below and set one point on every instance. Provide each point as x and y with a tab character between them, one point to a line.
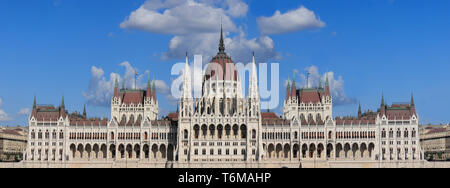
13	143
435	141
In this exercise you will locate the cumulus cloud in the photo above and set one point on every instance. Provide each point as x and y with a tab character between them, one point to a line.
101	87
3	115
24	112
195	26
336	84
291	21
178	17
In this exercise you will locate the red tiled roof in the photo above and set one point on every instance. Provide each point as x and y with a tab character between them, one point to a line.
135	97
269	115
173	116
221	68
310	96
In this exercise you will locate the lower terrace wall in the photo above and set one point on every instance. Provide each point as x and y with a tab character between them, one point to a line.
308	164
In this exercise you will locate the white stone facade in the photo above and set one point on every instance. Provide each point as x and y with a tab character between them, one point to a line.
223	128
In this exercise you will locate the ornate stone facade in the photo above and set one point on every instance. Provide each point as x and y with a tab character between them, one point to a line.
435	142
13	142
223	128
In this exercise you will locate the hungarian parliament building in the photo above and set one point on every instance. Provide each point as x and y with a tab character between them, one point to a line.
222	128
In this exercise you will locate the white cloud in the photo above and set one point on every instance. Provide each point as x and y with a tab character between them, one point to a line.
24	112
177	17
4	116
101	88
336	84
291	21
195	26
236	8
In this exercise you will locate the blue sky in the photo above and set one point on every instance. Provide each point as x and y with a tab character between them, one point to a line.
48	49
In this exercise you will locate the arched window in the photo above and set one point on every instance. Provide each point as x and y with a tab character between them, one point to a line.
196	131
219	131
243	131
186	135
212	130
228	130
310	117
235	130
124	118
318	117
145	136
112	136
406	133
132	119
383	133
204	130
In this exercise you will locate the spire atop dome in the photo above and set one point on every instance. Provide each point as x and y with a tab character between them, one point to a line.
221	44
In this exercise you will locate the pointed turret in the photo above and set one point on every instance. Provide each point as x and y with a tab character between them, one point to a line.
34	103
187	88
253	90
413	106
116	88
62	103
288	90
149	88
154	91
34	111
84	112
320	83
63	108
383	107
293	87
359	111
327	86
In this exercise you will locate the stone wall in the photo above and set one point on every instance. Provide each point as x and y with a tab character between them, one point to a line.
323	164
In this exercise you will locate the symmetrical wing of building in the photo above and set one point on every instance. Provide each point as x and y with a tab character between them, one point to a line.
223	126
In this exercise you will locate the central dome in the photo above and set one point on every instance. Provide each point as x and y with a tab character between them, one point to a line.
221	66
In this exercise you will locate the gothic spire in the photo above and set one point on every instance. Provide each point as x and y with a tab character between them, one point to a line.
84	111
320	83
412	99
62	102
34	103
187	89
221	44
382	100
359	110
254	93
